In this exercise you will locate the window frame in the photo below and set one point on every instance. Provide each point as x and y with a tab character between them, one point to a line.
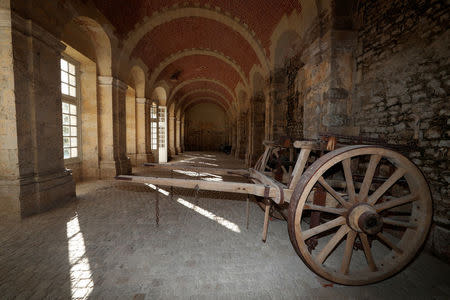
74	101
154	129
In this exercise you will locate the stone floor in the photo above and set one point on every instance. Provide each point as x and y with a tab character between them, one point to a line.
105	245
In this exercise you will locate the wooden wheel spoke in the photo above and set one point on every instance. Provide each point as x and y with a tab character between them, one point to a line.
348	252
386	185
367	182
332	210
396	202
348	209
368	252
399	223
389	243
349	179
333	193
329	247
323	227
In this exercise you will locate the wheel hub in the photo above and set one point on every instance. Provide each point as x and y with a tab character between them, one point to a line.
363	218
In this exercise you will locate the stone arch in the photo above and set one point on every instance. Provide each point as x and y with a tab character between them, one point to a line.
200	79
220	95
189	52
136	79
210	13
159	95
100	41
184	106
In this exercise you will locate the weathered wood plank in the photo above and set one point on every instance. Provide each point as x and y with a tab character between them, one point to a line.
215	171
224	186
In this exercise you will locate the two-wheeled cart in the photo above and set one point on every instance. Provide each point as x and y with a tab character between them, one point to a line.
356	215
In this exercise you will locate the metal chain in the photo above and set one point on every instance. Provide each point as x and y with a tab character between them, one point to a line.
157	207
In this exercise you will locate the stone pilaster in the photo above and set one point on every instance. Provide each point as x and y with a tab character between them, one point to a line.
268	122
112	137
182	134
238	136
178	136
172	150
33	177
141	149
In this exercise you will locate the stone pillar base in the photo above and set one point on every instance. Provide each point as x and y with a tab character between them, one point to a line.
172	152
133	159
124	167
141	158
35	194
107	169
179	150
110	169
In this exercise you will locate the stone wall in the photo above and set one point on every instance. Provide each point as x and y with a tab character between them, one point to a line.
402	91
258	118
206	128
288	109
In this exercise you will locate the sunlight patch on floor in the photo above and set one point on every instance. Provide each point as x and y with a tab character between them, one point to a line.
224	222
205	176
200	157
81	282
162	191
208	164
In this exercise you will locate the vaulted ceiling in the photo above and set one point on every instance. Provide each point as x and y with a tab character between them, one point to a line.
205	45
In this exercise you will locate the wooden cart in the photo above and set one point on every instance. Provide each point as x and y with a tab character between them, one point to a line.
356	215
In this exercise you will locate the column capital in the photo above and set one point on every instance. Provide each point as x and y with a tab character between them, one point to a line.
110	80
141	100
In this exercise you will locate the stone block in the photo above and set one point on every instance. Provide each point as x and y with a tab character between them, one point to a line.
433	133
440	238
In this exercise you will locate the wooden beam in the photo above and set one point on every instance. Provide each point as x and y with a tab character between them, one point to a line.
299	167
223	186
215	171
266	180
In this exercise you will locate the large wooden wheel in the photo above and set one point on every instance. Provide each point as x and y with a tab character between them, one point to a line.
375	218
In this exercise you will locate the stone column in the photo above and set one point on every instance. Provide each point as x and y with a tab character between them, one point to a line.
112	129
178	136
171	131
182	134
141	153
250	131
243	141
233	137
238	136
131	142
33	177
268	123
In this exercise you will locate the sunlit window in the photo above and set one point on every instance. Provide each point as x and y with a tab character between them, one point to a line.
68	79
162	126
154	126
70	109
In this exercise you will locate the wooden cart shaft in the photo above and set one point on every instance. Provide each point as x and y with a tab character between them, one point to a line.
222	186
